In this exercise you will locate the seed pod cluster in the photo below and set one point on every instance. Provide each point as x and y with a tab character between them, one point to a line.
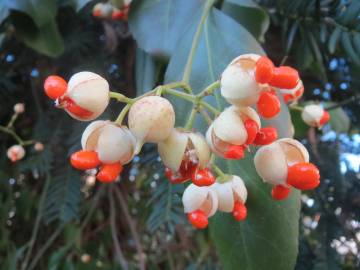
188	155
251	79
228	195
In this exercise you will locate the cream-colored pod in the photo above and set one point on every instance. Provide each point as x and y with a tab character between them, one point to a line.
200	198
229	192
272	161
238	84
183	145
86	97
151	119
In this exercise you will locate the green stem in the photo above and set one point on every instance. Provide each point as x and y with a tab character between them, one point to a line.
191	119
121	98
189	62
12	120
179	94
119	254
209	90
14	135
122	114
218	171
296	108
209	107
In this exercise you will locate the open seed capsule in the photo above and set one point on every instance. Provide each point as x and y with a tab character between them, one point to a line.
85	97
186	154
15	152
285	162
232	131
232	196
200	203
315	116
238	84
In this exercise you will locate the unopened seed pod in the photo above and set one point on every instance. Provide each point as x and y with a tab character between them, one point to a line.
294	94
184	145
200	198
314	115
233	190
19	108
15	153
272	161
238	84
230	129
111	142
151	119
86	97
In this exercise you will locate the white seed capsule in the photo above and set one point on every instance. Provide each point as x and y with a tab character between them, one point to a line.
39	147
111	142
184	145
200	198
229	129
15	152
238	84
90	92
272	161
151	119
230	192
312	115
19	108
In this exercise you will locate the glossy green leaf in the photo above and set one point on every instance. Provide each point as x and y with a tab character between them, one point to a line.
145	72
268	239
158	25
45	39
251	16
41	11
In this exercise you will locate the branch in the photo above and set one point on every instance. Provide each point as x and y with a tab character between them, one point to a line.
37	223
119	255
344	102
132	226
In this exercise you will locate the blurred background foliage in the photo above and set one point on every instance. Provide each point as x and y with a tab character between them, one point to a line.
53	218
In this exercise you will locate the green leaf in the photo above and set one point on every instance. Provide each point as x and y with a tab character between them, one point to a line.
268	239
41	11
63	198
45	39
145	72
299	125
333	40
339	120
249	15
158	25
349	49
